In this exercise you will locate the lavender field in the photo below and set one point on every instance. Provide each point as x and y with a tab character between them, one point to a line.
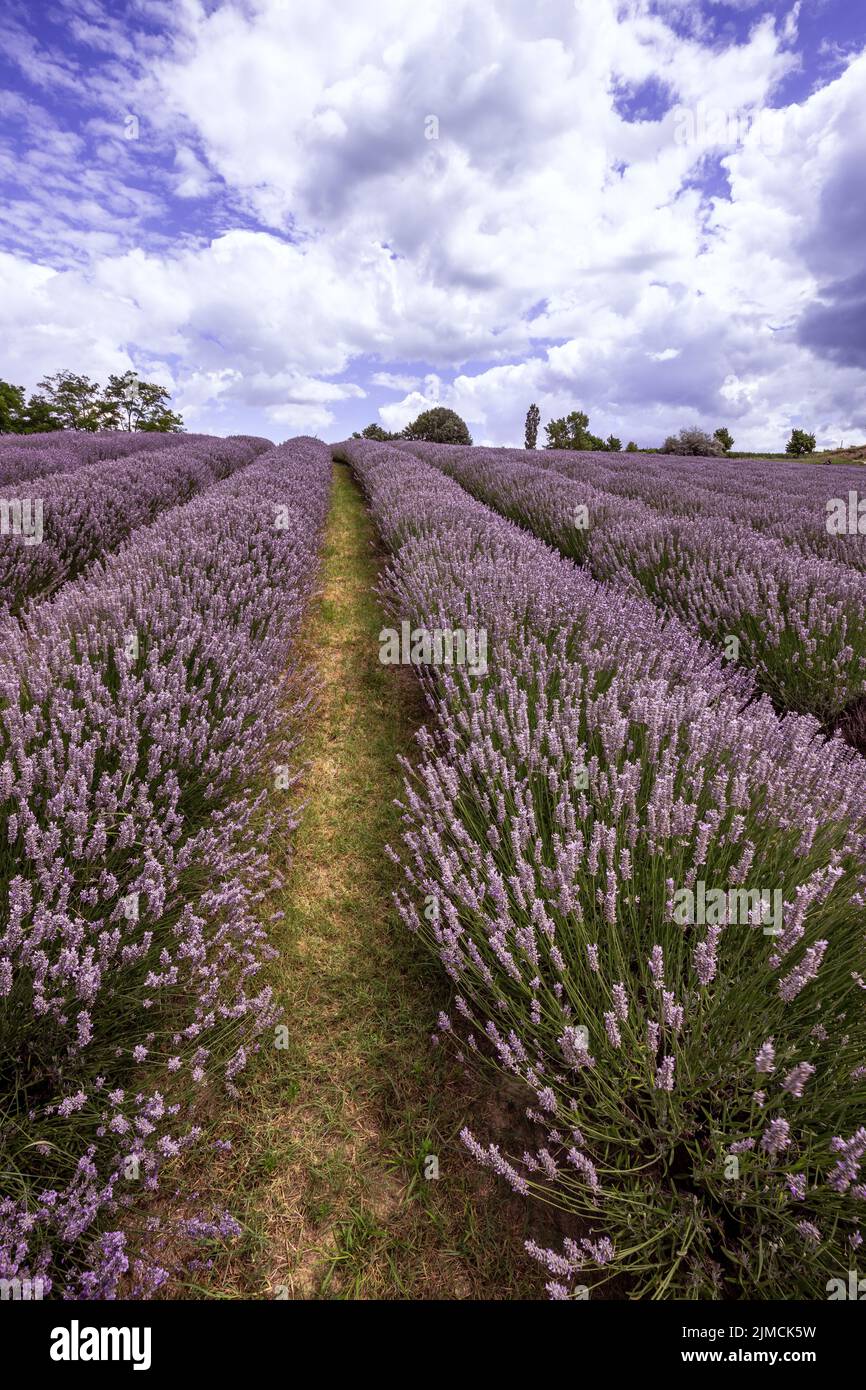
631	837
432	680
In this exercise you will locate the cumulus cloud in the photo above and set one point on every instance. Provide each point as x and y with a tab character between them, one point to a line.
602	204
393	381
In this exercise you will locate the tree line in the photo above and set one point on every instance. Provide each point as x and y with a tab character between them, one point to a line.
440	425
69	401
572	432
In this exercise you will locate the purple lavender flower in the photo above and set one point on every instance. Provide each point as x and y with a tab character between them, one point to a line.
796	1079
657	966
665	1075
776	1137
765	1060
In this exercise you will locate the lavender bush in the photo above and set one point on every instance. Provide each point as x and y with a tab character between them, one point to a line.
797	620
696	1077
62	451
137	710
86	513
786	500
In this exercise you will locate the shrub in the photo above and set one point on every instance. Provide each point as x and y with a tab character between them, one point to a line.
693	441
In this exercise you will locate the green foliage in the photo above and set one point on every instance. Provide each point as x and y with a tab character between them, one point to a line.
533	420
800	443
38	416
631	447
375	432
693	441
140	405
75	401
439	426
725	438
568	432
69	401
11	408
573	432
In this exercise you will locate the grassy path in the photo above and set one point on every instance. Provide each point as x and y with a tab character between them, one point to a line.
331	1132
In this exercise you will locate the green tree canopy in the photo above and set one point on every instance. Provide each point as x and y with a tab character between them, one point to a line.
440	426
38	416
75	402
375	432
70	401
12	407
800	443
572	432
140	405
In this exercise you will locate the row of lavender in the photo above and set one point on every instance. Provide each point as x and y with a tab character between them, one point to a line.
802	505
69	519
648	892
23	457
796	620
138	709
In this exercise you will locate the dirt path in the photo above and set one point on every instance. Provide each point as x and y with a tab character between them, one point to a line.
330	1136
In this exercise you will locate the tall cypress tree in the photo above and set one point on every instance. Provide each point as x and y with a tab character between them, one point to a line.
533	420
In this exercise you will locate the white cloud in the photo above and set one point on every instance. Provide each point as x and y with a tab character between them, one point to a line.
543	247
394	381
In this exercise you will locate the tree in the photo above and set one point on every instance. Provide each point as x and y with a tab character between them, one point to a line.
375	432
800	443
568	431
533	420
139	405
693	441
725	438
613	444
631	447
439	426
39	418
11	408
572	432
75	401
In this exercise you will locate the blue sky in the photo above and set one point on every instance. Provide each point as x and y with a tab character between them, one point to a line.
304	218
